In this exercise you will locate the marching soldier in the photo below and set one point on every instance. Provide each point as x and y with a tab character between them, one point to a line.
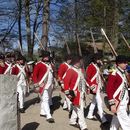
117	91
19	69
74	87
43	78
94	84
61	74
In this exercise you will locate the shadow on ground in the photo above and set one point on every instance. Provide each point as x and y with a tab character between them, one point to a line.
108	117
31	102
56	103
31	126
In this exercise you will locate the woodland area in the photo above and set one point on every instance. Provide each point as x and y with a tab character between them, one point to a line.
57	25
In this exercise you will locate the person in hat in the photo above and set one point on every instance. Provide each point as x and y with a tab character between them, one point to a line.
74	88
20	70
117	92
94	83
61	74
43	79
2	63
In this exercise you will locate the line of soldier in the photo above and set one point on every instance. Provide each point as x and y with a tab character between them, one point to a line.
73	82
14	63
75	85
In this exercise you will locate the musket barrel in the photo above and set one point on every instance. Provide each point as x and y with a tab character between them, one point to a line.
110	44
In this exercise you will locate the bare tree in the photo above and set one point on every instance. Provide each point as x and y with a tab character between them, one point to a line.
45	24
19	21
28	28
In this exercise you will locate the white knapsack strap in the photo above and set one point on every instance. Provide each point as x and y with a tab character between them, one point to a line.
21	70
8	70
66	70
78	79
94	77
45	75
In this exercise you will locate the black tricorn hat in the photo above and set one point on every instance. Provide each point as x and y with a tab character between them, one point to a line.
96	56
2	56
68	57
75	59
121	59
43	53
7	54
19	57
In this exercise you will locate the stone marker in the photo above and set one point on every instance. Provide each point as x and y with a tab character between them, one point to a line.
9	117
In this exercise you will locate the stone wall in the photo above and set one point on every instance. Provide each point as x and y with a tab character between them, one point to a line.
8	103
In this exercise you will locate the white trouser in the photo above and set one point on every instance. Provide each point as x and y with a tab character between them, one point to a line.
122	119
67	103
21	89
97	100
46	101
78	113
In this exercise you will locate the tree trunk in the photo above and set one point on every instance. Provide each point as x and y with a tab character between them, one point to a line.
35	25
19	22
114	37
76	26
28	29
45	28
112	22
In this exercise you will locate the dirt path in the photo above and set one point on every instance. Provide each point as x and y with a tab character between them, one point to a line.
31	120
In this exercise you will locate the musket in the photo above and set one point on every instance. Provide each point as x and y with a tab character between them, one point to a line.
79	47
79	50
96	51
80	54
93	42
40	44
20	47
127	44
109	43
67	47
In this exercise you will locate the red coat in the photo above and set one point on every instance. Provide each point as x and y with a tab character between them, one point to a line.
2	68
62	70
9	67
39	70
91	72
114	82
69	84
6	65
15	70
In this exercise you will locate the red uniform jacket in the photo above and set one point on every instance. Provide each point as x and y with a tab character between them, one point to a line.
39	70
115	80
15	70
2	68
92	74
69	84
62	70
8	67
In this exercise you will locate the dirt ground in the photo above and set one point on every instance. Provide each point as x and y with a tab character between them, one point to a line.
31	120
